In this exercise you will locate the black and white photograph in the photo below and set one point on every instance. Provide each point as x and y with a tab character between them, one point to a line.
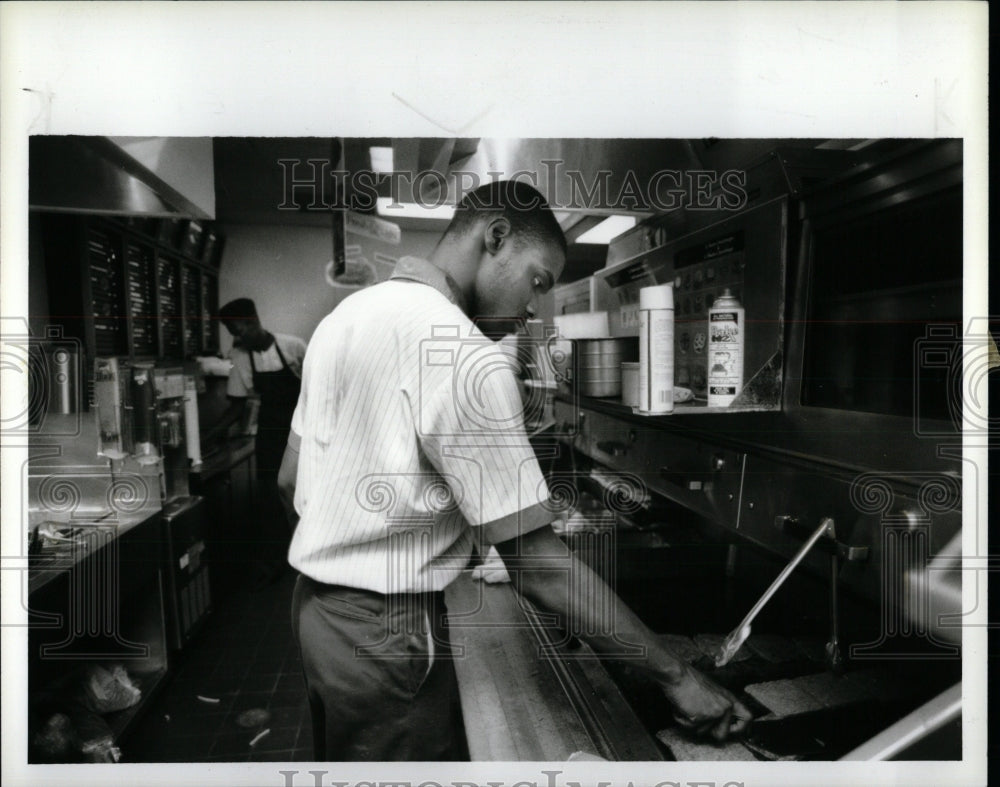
409	393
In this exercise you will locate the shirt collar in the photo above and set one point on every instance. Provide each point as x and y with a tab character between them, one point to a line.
422	271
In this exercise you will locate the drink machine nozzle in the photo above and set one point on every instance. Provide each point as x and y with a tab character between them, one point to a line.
171	427
148	438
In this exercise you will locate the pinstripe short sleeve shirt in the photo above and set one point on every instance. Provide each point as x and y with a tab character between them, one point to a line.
412	440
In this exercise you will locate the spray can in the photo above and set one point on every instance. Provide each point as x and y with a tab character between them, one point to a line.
726	337
656	350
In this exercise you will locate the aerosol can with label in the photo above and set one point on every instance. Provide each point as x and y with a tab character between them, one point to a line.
656	350
726	337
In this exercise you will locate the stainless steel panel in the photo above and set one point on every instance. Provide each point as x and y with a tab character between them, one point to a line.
94	175
701	477
765	171
869	510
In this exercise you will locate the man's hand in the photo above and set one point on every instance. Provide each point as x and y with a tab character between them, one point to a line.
492	570
542	563
705	708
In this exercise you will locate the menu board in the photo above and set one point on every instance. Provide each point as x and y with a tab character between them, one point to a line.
191	294
168	281
106	291
141	298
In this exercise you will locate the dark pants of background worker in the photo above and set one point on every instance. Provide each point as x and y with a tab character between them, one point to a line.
365	657
279	394
273	531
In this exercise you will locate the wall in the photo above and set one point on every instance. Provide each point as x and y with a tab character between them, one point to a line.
283	268
38	288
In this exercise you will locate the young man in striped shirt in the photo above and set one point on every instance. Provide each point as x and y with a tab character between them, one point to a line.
407	449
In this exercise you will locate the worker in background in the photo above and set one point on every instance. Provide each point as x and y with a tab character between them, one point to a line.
408	448
268	365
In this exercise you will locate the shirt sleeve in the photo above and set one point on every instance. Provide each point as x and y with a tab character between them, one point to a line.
470	425
240	382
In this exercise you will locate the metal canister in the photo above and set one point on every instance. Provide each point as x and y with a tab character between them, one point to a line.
599	364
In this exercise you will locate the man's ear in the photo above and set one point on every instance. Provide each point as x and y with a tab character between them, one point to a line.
497	233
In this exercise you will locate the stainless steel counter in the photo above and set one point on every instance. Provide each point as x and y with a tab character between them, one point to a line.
521	704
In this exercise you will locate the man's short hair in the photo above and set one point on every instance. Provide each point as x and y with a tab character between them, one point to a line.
530	216
238	310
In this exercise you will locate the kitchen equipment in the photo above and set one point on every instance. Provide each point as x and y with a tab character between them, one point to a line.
114	411
630	383
189	597
171	429
143	393
583	325
598	365
738	635
63	380
656	349
191	431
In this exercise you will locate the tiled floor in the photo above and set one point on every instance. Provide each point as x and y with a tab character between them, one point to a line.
245	658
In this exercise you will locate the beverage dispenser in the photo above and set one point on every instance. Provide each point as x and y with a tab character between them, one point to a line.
145	415
170	429
112	395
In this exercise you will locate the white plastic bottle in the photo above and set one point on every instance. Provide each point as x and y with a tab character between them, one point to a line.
726	337
656	350
191	435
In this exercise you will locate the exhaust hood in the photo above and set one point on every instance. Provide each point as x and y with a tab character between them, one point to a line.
77	174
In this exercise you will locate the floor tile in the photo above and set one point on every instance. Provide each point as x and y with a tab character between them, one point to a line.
245	657
305	738
200	725
289	699
277	739
260	681
250	699
290	682
287	755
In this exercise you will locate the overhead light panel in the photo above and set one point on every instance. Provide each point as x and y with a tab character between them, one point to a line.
409	210
382	162
611	227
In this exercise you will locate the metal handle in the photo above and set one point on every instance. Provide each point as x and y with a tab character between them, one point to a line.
849	552
739	635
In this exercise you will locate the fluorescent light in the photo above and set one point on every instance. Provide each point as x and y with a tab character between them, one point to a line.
408	210
611	227
381	160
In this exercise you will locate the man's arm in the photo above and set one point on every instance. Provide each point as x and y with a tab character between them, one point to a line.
287	475
540	563
232	414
